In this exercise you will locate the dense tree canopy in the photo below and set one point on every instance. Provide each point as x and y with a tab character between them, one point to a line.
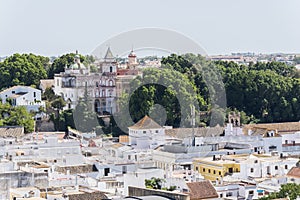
16	116
168	88
267	91
262	92
25	69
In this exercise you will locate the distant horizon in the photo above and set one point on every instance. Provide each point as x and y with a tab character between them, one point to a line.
142	56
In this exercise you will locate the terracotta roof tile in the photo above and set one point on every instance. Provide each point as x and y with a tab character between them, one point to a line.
202	190
294	172
200	132
146	123
285	127
11	131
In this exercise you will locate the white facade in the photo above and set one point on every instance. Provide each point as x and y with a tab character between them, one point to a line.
26	96
272	144
265	166
146	134
233	130
145	138
100	86
237	191
138	177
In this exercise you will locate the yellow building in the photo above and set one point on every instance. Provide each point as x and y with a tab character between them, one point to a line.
213	169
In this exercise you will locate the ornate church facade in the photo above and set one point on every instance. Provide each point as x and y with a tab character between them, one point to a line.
100	86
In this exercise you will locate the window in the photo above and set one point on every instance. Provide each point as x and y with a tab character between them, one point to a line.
228	194
203	169
214	171
156	131
144	131
208	170
111	69
251	170
286	167
196	168
221	195
34	94
124	169
13	92
251	192
276	167
220	173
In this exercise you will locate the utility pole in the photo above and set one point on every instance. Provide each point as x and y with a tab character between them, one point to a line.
193	124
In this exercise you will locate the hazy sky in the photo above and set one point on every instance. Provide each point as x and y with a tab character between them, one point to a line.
55	27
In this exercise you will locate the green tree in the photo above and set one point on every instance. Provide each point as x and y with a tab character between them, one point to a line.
57	104
145	95
48	95
291	190
25	69
85	118
154	183
60	63
16	116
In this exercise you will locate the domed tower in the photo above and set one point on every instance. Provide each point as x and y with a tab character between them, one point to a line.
77	58
132	60
77	67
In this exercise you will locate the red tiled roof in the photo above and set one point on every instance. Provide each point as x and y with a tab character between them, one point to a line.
202	190
199	132
146	123
284	127
11	131
294	172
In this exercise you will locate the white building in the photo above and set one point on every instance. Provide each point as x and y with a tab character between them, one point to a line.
146	134
26	96
262	165
138	177
100	86
237	190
